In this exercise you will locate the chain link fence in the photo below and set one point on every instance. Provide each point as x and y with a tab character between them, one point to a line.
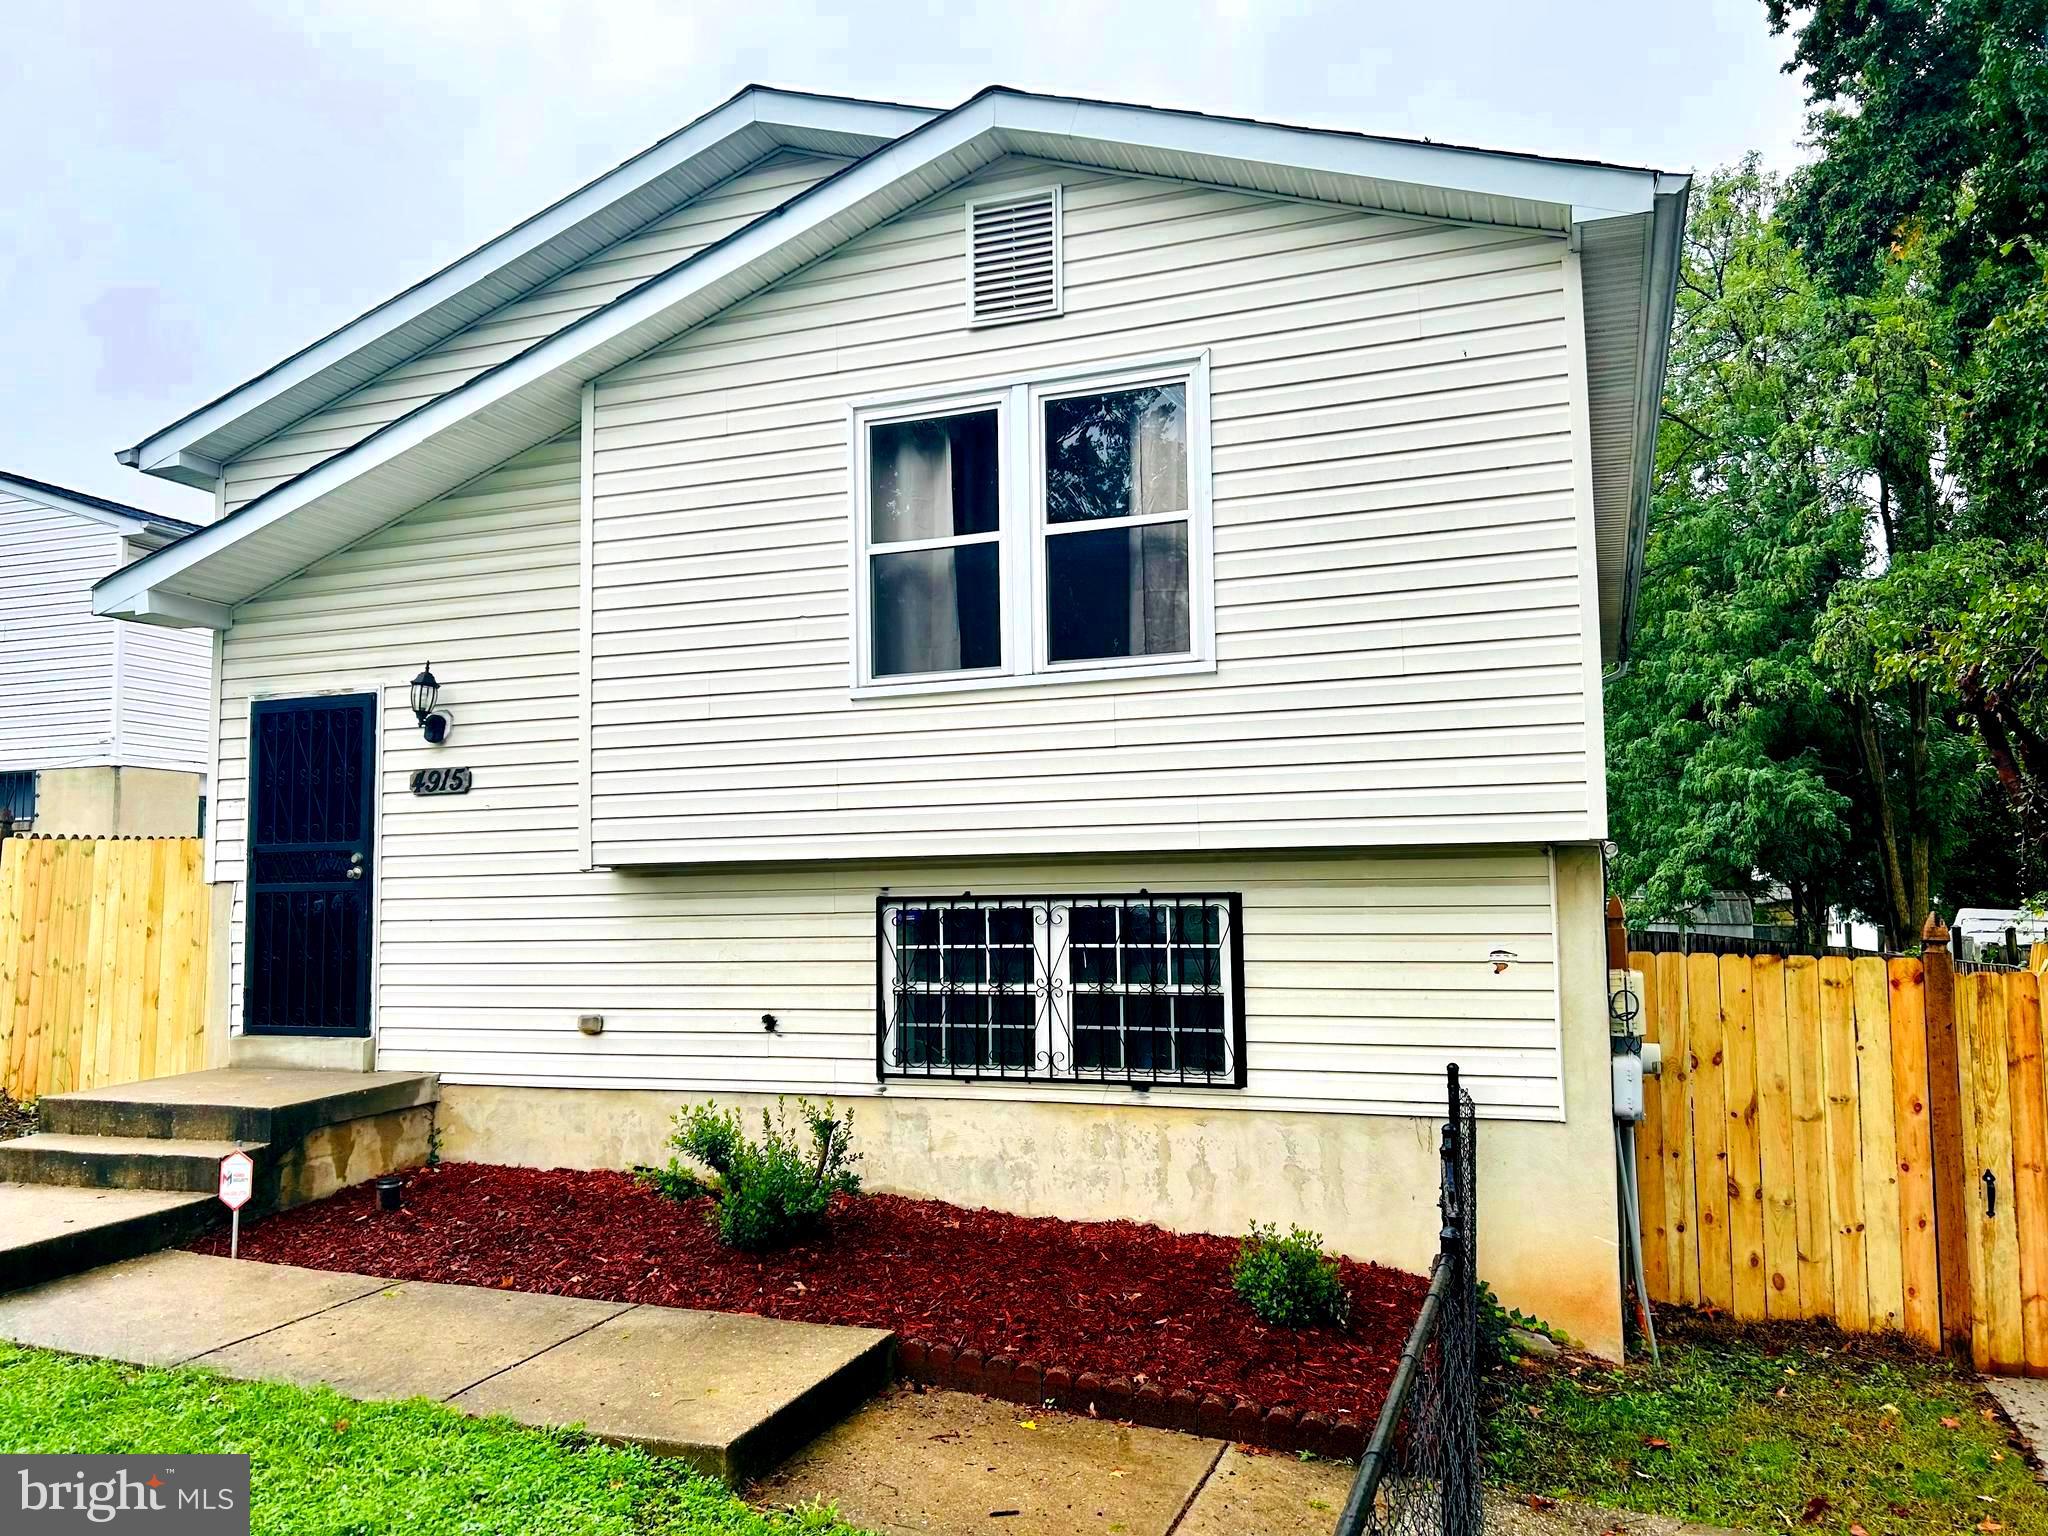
1420	1472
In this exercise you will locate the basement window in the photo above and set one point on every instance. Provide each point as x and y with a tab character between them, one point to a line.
1136	990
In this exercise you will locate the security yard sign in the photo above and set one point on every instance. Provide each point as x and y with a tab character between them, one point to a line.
237	1183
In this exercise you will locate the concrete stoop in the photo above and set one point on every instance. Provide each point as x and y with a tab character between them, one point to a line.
116	1172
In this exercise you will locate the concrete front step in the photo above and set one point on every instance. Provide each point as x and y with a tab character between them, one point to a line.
121	1162
48	1230
275	1106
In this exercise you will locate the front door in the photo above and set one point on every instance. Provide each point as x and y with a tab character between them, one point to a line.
312	795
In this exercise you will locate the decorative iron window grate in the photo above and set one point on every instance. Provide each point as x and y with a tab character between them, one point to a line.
1136	989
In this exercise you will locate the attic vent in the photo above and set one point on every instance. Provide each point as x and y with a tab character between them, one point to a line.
1013	255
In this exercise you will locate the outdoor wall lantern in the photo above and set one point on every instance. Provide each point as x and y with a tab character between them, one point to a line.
425	690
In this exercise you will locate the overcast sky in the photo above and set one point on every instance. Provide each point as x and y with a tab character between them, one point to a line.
191	190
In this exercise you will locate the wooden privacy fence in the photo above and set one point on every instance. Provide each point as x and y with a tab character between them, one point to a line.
1863	1140
103	961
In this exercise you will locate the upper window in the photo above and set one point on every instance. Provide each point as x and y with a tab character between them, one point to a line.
1034	530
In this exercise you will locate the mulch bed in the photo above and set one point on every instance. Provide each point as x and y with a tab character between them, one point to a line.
1117	1318
15	1119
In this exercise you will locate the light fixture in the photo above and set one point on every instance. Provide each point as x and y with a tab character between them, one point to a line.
425	690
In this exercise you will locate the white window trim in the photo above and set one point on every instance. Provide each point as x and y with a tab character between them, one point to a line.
1023	528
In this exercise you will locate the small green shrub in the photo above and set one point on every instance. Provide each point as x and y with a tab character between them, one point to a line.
770	1192
674	1182
1289	1281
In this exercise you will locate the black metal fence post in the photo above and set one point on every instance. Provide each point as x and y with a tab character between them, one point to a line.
1419	1475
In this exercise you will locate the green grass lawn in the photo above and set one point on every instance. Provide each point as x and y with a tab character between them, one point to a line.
322	1464
1771	1429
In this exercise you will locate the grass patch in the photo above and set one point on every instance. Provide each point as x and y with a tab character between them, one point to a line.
325	1465
1770	1428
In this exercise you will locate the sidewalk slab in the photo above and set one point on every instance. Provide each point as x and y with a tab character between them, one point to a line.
1277	1495
412	1339
945	1462
2025	1401
168	1307
728	1393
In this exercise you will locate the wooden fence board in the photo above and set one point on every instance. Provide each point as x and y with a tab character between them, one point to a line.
1710	1127
2029	1162
1997	1226
1651	1208
1845	1144
1883	1263
1919	1263
1745	1142
1679	1212
1774	1119
103	961
1811	1185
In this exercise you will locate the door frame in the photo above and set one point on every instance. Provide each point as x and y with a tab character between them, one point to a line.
374	689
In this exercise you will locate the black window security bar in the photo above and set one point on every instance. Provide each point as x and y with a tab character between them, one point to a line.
18	796
1137	989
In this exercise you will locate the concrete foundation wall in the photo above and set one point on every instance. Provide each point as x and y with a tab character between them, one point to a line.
117	802
351	1151
1366	1182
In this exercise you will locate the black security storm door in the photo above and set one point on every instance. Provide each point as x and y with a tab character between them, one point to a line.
312	784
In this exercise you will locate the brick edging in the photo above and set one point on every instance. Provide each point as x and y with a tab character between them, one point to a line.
1027	1382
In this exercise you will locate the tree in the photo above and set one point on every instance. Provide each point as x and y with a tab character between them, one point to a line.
1800	455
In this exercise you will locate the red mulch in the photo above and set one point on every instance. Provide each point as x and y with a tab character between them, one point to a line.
1118	1298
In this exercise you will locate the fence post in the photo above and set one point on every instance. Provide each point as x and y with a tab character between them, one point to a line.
1945	1128
1617	935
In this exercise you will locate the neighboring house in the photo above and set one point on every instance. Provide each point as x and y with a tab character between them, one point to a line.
1999	930
1075	625
103	727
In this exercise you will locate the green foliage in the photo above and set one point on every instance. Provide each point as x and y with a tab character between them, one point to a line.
1797	461
772	1191
1289	1281
320	1462
1768	1430
673	1181
1495	1322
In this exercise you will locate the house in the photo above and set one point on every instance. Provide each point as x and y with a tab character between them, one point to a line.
1076	626
104	728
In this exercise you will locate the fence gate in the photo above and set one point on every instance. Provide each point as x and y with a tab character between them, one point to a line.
1862	1140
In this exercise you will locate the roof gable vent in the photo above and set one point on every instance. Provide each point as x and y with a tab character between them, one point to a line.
1013	258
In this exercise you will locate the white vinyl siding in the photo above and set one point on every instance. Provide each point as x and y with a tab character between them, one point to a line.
166	698
56	655
1363	974
1401	629
511	329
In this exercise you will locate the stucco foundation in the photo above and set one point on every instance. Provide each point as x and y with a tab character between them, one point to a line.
350	1151
117	802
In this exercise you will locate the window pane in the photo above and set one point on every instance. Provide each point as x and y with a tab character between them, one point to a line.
1123	454
1117	592
937	610
932	479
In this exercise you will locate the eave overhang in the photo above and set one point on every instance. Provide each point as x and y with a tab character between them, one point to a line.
722	142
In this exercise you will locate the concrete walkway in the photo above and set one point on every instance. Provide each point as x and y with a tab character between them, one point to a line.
729	1394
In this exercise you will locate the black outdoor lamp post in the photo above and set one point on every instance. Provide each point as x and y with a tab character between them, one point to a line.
425	690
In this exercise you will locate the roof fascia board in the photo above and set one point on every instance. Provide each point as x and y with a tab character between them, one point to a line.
128	524
1593	190
982	117
165	453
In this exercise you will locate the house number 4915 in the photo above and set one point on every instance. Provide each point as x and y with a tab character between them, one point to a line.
440	781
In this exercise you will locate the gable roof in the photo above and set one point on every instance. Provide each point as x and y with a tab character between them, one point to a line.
724	141
131	521
1627	222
